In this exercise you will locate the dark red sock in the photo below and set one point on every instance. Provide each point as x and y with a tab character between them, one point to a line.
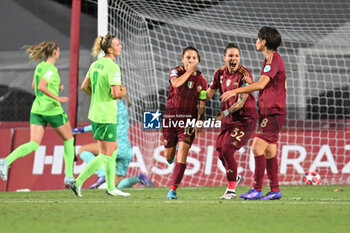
272	173
178	174
260	164
228	153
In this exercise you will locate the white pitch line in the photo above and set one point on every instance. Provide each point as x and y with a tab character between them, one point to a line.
224	202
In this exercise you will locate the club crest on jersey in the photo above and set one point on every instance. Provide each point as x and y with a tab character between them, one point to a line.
235	84
190	84
228	82
267	68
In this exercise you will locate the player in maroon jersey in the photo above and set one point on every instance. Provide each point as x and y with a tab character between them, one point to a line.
272	105
238	116
186	92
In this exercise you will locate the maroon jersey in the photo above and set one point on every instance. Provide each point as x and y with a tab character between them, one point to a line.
224	81
272	99
182	101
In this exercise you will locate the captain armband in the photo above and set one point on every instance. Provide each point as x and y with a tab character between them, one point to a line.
203	95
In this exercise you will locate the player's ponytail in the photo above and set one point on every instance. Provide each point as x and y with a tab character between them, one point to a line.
41	51
102	43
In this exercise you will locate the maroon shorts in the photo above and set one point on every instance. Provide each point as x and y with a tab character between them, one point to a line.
269	127
236	135
173	135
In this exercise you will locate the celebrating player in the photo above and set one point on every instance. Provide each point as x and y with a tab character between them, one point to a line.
124	155
46	109
187	88
272	104
103	83
238	115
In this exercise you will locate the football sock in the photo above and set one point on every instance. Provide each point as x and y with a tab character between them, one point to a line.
230	163
178	174
128	182
21	151
221	157
87	156
260	164
69	156
231	185
91	168
272	173
110	171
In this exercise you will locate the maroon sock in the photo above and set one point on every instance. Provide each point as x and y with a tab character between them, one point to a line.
178	174
260	164
230	163
221	157
272	173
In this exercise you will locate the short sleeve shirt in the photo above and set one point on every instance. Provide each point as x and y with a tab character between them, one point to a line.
103	74
272	99
44	104
225	81
183	101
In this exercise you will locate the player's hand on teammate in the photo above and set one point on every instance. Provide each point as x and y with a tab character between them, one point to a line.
228	94
61	87
77	131
219	116
63	99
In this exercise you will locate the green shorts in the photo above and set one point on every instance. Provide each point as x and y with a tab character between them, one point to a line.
55	120
106	132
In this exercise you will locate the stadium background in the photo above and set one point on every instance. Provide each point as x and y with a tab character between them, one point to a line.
319	132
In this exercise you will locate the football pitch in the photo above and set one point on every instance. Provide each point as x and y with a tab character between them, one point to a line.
302	209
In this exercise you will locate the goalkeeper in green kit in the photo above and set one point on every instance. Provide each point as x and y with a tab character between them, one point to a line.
103	83
46	109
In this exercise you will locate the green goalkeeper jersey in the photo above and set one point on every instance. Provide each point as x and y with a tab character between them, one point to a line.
44	104
103	74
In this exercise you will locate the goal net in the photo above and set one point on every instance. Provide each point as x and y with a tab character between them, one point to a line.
316	52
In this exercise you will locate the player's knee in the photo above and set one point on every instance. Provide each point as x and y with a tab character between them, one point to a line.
257	151
168	156
269	155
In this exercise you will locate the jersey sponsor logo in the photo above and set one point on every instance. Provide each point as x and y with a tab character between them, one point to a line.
48	74
117	77
190	84
173	72
267	68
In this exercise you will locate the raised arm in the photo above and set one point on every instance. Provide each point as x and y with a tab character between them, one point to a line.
179	81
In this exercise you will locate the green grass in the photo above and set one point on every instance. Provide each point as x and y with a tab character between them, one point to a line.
302	209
